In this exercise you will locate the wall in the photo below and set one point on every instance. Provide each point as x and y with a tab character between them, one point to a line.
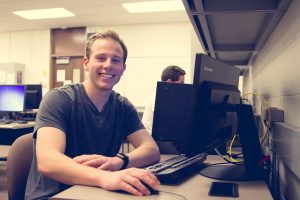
31	48
277	68
151	48
275	74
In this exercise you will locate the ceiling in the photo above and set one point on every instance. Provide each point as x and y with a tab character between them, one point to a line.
234	31
88	13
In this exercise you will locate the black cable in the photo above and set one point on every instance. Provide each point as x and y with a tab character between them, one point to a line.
179	195
235	163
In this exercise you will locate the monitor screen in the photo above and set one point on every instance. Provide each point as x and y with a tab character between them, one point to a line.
33	96
12	98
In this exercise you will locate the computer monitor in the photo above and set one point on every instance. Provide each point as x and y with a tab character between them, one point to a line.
12	98
187	118
204	115
33	96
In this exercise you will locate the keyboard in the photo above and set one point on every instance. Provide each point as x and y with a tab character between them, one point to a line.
6	121
177	168
28	119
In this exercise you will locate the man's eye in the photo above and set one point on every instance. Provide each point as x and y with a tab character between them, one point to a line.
101	58
117	60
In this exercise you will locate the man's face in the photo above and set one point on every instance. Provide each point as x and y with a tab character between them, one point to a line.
105	65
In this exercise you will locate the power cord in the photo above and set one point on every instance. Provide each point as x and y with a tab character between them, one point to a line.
179	195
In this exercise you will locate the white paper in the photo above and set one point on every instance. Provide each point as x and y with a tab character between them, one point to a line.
76	75
60	75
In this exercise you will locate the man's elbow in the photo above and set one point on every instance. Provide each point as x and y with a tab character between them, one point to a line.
44	168
155	154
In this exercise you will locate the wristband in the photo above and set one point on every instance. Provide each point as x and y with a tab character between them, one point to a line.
124	158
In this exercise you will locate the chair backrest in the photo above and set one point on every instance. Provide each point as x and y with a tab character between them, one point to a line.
18	165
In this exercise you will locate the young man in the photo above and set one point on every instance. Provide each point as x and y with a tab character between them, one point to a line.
173	74
80	127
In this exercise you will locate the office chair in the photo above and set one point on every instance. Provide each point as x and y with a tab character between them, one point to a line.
18	165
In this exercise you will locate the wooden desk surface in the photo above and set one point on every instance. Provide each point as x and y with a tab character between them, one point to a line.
16	125
195	188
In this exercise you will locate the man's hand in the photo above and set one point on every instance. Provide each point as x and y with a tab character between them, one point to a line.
100	162
131	180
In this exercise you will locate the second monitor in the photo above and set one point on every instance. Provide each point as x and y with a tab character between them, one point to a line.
33	96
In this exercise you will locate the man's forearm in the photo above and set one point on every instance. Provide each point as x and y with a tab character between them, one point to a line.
143	156
64	169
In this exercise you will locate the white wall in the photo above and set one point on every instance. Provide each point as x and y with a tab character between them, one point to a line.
151	48
276	71
31	48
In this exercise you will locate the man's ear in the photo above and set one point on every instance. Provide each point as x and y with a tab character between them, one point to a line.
85	61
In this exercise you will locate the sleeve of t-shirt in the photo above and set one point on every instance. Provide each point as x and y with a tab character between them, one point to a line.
54	111
133	121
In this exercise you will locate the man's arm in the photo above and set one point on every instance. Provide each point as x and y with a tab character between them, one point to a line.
50	147
146	151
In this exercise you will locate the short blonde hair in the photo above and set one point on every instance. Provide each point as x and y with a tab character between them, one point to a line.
104	35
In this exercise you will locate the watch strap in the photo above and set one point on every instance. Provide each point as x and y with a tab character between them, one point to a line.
124	158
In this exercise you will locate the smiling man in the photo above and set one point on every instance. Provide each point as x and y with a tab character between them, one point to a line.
80	127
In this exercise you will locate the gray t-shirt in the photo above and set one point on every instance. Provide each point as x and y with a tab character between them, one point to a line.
87	130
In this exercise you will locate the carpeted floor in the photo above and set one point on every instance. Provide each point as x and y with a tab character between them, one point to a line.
3	184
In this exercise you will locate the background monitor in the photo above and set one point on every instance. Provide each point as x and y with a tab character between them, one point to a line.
33	96
12	98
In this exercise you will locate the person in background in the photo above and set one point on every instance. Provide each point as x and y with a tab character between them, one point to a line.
172	74
80	127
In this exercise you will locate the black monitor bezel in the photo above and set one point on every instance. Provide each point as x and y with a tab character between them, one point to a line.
36	87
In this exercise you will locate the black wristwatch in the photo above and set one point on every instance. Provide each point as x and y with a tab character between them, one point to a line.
124	158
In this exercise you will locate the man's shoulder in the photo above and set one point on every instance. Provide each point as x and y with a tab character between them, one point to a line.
117	96
66	90
120	99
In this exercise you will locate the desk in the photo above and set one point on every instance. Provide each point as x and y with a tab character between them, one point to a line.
195	188
10	132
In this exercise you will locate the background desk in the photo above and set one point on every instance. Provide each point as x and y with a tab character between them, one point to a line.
4	149
195	188
10	132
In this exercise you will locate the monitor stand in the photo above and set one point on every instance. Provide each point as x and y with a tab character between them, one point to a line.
228	172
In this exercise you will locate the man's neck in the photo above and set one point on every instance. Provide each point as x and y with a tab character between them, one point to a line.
97	96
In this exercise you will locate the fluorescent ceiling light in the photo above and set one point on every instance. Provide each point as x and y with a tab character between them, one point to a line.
154	6
44	13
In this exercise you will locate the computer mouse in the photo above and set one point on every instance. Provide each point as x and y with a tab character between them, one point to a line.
152	191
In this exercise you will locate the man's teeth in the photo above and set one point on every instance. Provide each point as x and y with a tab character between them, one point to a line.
106	75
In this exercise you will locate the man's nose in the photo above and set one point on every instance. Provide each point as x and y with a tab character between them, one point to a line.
107	63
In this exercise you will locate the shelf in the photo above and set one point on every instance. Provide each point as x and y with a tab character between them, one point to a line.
235	31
